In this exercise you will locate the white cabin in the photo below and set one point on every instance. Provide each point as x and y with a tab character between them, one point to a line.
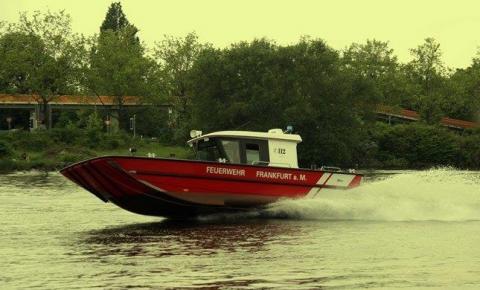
272	148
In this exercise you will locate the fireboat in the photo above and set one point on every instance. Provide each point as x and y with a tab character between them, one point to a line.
232	171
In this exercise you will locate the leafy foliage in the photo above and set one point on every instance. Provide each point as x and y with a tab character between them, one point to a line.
119	68
428	72
175	58
20	56
260	85
375	62
419	145
5	149
116	20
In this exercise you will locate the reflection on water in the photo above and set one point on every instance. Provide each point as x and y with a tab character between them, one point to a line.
193	238
211	254
408	230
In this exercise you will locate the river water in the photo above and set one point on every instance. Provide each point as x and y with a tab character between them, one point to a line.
407	230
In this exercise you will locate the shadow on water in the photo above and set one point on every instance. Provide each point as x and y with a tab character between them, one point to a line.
169	237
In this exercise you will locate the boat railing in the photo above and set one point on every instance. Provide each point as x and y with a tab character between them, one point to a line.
331	168
267	163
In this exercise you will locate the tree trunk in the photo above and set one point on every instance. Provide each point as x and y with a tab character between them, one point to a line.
123	120
45	115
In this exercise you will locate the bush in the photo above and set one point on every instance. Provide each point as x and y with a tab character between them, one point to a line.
32	141
470	150
114	141
5	149
152	122
111	143
396	163
7	165
68	158
66	135
418	145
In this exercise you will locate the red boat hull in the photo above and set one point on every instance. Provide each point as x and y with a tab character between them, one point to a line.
186	188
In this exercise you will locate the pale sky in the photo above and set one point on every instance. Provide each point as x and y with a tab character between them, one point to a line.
404	23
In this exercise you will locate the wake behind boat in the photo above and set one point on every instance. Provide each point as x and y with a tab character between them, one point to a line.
233	171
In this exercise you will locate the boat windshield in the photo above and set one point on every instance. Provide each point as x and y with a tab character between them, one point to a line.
208	150
223	150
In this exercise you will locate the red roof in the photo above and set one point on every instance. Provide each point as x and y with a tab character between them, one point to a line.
67	100
415	116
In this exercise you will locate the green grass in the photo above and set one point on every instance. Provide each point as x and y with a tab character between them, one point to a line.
145	148
58	154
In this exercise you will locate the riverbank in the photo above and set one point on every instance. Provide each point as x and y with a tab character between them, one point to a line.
51	151
408	146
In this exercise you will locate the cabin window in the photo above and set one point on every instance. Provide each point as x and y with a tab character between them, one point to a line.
232	150
253	153
208	150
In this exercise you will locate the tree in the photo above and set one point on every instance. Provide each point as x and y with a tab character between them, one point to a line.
236	87
372	59
20	55
48	59
429	73
259	85
427	65
330	106
465	92
375	62
117	63
3	24
115	20
118	68
175	57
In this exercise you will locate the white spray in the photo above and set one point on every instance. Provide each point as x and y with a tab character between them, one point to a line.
439	194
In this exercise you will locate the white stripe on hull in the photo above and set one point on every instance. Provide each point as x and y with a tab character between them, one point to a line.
342	180
331	179
321	181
